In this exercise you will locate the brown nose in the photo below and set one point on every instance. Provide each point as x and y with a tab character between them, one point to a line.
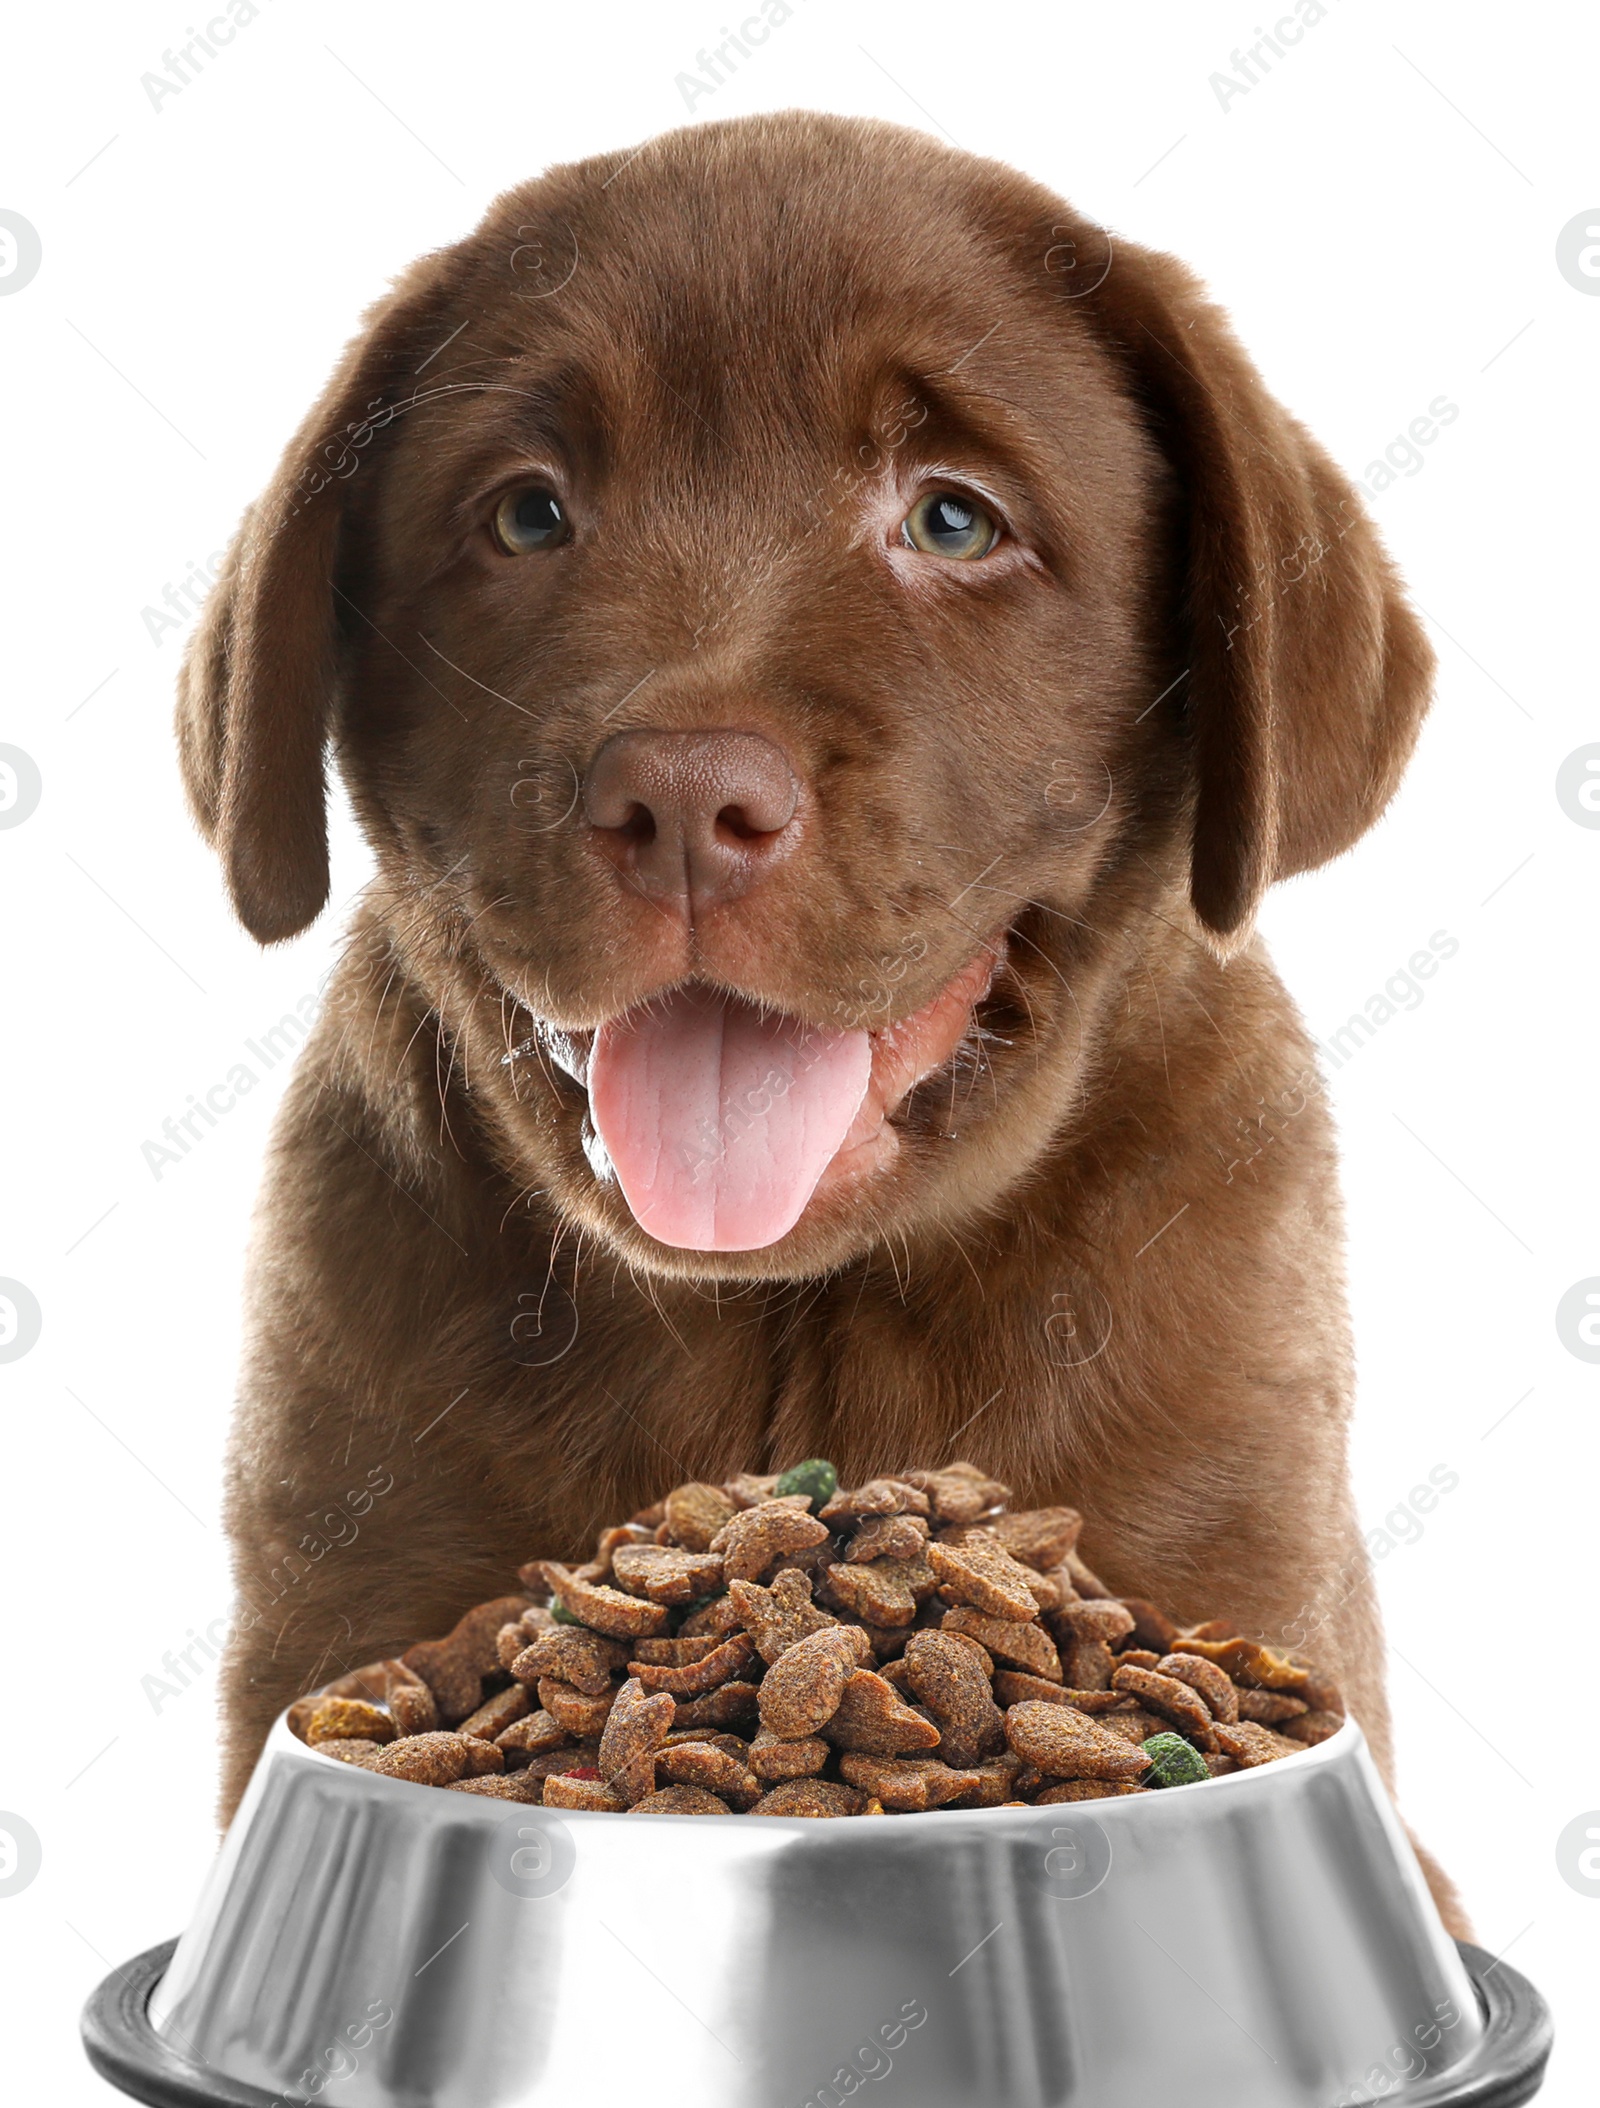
694	816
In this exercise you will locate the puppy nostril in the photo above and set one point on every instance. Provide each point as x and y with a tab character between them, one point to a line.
734	820
638	826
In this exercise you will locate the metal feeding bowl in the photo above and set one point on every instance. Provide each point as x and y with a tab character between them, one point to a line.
1263	1940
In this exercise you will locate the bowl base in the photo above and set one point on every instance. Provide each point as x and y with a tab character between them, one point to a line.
1506	2068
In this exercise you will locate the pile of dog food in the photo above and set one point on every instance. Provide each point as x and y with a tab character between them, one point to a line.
779	1646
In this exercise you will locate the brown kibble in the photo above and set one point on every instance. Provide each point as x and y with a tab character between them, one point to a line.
722	1665
1247	1662
602	1609
981	1572
496	1714
575	1756
736	1745
1310	1728
580	1713
1087	1583
1039	1537
430	1760
889	1641
674	1654
876	1497
888	1537
779	1615
1212	1629
695	1513
637	1725
574	1655
667	1575
348	1720
873	1718
1151	1627
801	1691
507	1786
947	1674
590	1796
811	1797
961	1492
1014	1687
702	1764
1133	1723
533	1734
732	1705
1102	1618
1087	1790
1219	1692
773	1759
714	1620
607	1545
881	1592
1253	1744
997	1776
747	1490
1067	1744
757	1538
908	1786
724	1652
680	1800
358	1751
411	1704
1029	1647
1270	1708
454	1668
1173	1701
1090	1665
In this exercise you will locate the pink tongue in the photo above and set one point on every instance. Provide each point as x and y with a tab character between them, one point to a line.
720	1120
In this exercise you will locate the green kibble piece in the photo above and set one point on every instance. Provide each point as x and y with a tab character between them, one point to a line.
563	1616
815	1476
1173	1762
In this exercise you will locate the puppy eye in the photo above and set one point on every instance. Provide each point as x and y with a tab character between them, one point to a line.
946	524
530	519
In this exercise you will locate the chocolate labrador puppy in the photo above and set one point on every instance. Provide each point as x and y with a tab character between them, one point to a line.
828	648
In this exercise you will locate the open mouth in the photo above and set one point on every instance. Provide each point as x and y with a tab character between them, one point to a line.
723	1119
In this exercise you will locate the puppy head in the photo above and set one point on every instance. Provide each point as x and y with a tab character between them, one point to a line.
780	600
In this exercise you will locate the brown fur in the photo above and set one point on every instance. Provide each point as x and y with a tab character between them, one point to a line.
1105	1262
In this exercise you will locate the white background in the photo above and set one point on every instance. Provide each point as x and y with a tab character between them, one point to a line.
1381	215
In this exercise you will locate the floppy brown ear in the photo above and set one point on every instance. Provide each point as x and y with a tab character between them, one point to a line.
1308	673
259	682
